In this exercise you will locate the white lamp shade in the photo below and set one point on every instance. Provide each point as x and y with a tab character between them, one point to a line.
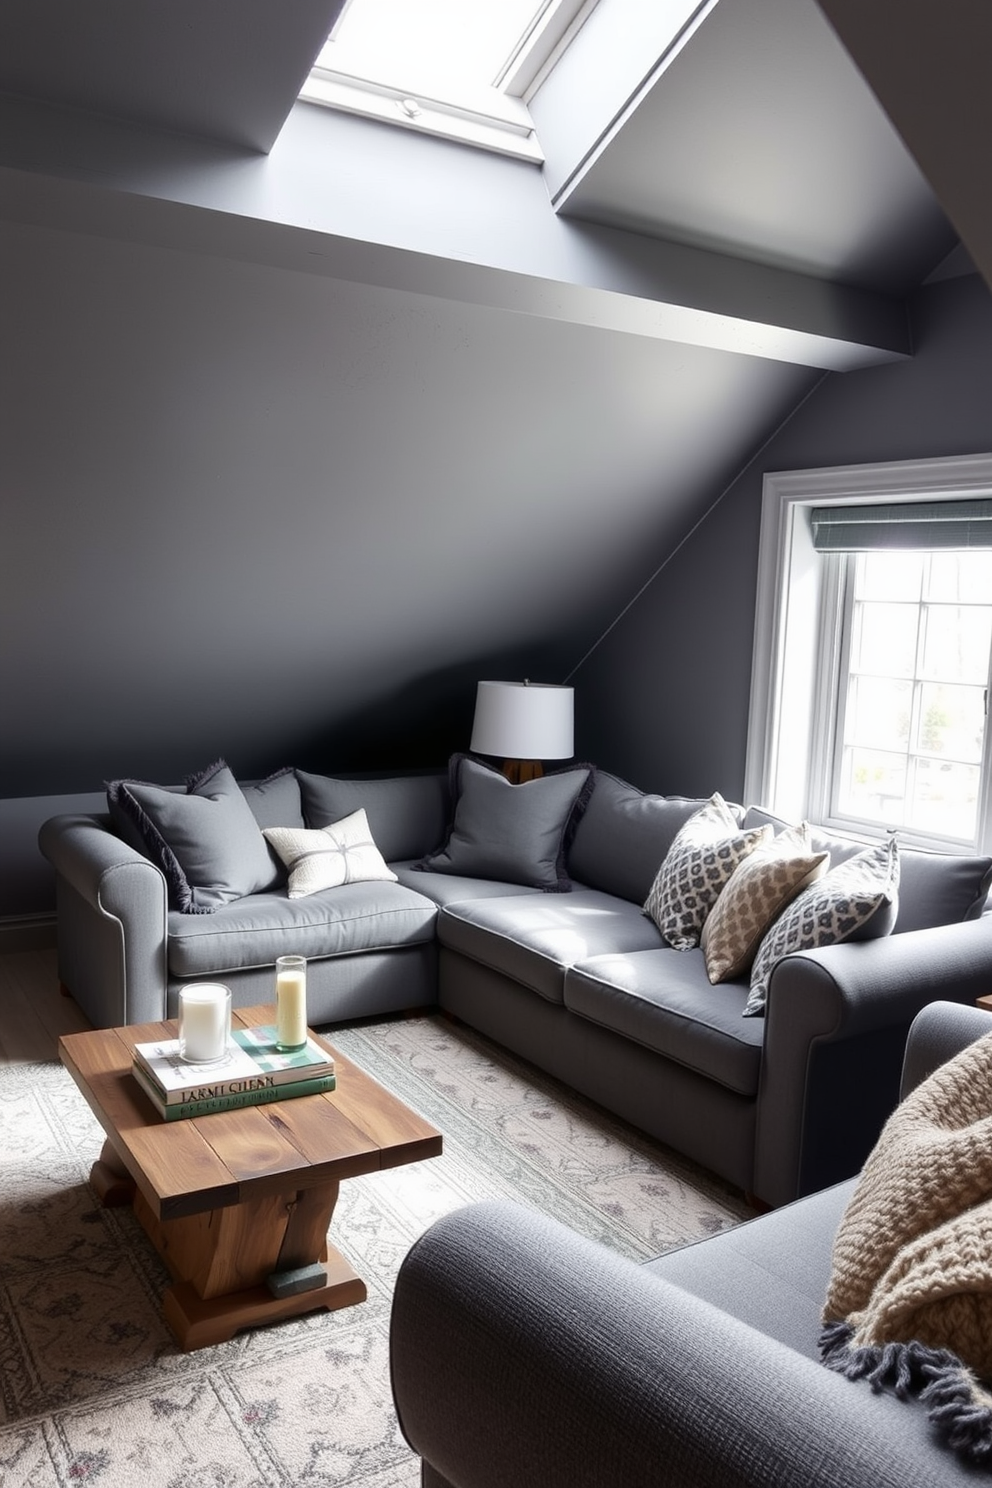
523	720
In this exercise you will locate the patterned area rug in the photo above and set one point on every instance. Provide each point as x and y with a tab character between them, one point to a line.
94	1390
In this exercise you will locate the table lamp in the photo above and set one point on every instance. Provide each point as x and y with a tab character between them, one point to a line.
523	723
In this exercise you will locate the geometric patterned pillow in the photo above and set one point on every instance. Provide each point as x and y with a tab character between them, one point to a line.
326	857
758	891
699	862
857	900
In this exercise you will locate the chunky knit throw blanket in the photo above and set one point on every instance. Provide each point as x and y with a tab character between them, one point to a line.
909	1306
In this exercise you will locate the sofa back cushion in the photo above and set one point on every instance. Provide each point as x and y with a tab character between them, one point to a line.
934	888
624	837
276	802
407	814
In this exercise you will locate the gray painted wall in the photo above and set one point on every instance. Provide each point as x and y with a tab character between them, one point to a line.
259	506
248	505
663	699
27	882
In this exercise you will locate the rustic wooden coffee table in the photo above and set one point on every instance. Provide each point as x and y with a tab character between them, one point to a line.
234	1199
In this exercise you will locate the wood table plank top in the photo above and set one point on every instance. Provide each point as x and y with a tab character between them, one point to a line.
206	1162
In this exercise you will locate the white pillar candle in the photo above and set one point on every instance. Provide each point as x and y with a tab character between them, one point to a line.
204	1022
291	1002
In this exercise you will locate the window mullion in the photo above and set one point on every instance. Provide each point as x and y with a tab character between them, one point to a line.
837	608
983	835
833	755
914	743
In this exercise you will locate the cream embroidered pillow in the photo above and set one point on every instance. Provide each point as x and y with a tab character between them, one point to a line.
759	889
699	862
330	856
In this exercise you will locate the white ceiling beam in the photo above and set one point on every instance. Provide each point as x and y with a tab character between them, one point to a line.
489	238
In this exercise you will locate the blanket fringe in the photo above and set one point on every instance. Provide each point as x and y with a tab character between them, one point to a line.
935	1377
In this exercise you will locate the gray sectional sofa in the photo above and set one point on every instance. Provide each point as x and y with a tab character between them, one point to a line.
522	1353
581	983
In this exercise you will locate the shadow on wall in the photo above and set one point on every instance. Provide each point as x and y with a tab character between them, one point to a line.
414	727
419	725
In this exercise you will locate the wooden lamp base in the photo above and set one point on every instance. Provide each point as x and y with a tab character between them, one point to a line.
518	771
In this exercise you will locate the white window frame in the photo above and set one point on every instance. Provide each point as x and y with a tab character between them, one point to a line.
491	118
796	598
495	122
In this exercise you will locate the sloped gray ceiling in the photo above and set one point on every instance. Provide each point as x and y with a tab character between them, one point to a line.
225	71
761	139
297	446
929	65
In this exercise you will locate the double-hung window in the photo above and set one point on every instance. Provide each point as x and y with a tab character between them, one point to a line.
873	648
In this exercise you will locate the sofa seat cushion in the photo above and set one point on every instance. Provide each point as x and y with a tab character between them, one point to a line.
663	999
333	922
772	1273
451	888
534	939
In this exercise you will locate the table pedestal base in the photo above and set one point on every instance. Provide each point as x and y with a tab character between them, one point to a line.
219	1259
198	1321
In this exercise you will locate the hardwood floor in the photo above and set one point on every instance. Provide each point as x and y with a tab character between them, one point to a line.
33	1011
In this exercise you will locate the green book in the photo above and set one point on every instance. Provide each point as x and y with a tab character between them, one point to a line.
252	1061
260	1044
315	1085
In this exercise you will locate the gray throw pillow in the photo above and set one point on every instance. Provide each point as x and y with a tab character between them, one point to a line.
514	833
206	842
407	814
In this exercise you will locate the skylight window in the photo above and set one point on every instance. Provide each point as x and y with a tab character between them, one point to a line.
451	42
456	68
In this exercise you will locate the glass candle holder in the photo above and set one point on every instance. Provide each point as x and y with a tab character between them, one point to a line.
204	1022
291	1003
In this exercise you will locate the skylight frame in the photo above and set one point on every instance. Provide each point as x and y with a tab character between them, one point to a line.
493	118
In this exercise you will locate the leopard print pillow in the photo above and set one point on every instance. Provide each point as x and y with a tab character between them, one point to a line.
759	890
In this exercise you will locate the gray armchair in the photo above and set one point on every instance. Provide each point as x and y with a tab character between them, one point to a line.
525	1355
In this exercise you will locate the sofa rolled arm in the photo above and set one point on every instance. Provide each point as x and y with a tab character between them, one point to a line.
524	1354
82	848
112	921
835	1032
936	1035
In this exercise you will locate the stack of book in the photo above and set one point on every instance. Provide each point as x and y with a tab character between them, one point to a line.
253	1072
